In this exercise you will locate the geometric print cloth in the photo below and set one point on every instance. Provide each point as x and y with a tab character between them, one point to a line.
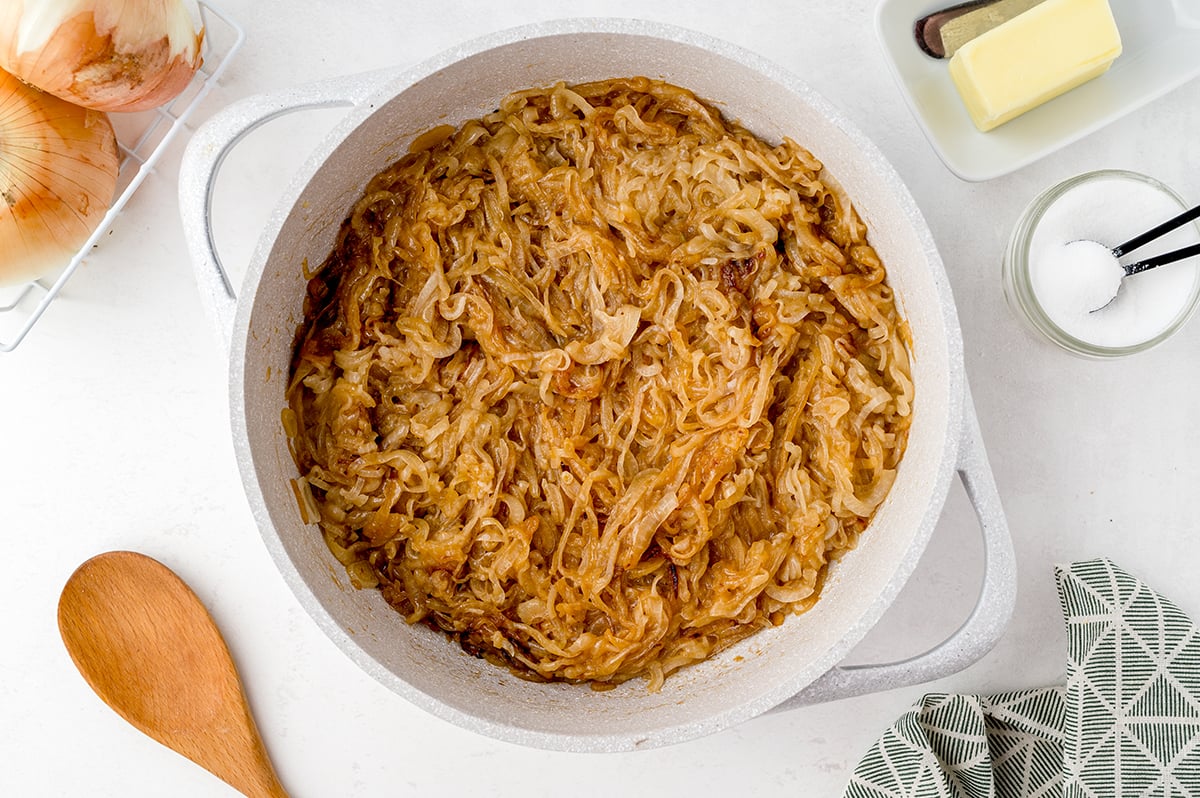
1126	724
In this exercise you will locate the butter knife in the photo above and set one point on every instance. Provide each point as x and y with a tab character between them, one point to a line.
941	33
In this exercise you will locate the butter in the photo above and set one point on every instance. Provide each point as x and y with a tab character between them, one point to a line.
1034	57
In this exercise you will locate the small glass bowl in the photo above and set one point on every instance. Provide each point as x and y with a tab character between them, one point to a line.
1018	285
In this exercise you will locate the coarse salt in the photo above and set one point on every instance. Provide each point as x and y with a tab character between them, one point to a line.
1083	277
1074	274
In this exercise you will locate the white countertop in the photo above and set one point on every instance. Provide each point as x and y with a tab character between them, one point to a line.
114	436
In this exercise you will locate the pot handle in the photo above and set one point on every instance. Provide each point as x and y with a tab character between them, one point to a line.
981	631
207	150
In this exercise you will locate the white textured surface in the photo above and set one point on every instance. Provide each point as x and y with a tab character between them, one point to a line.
115	436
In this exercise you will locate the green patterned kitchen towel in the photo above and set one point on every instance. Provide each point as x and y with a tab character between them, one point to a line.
1127	723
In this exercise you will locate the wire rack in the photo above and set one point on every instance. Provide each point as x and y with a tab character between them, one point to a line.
143	138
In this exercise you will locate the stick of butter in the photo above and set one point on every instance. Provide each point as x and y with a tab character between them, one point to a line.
1034	57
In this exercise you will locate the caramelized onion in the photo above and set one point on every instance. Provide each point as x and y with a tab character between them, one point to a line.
599	384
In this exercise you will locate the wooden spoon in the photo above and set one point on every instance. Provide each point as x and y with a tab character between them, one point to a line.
151	651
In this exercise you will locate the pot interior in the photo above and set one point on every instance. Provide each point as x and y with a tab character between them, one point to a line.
426	667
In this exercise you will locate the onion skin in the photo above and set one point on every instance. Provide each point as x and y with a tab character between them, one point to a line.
108	55
58	171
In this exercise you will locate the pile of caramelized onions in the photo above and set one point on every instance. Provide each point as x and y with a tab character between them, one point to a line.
110	55
598	384
58	171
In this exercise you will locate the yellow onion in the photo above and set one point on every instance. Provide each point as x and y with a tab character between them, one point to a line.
110	55
58	172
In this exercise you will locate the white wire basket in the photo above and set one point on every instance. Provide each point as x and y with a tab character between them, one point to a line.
143	138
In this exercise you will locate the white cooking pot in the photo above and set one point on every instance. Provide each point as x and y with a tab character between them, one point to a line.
792	664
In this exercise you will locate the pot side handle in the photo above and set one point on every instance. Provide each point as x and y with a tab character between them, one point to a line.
207	150
993	609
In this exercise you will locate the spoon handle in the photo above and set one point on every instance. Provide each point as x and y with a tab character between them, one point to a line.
1161	260
1155	232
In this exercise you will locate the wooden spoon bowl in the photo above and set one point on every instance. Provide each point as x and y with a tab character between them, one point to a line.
148	647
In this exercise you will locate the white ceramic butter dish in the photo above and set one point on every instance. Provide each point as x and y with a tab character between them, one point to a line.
1161	40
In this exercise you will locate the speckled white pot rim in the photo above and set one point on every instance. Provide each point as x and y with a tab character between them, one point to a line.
583	741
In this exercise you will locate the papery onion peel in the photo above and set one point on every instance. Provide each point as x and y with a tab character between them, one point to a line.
110	55
58	171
